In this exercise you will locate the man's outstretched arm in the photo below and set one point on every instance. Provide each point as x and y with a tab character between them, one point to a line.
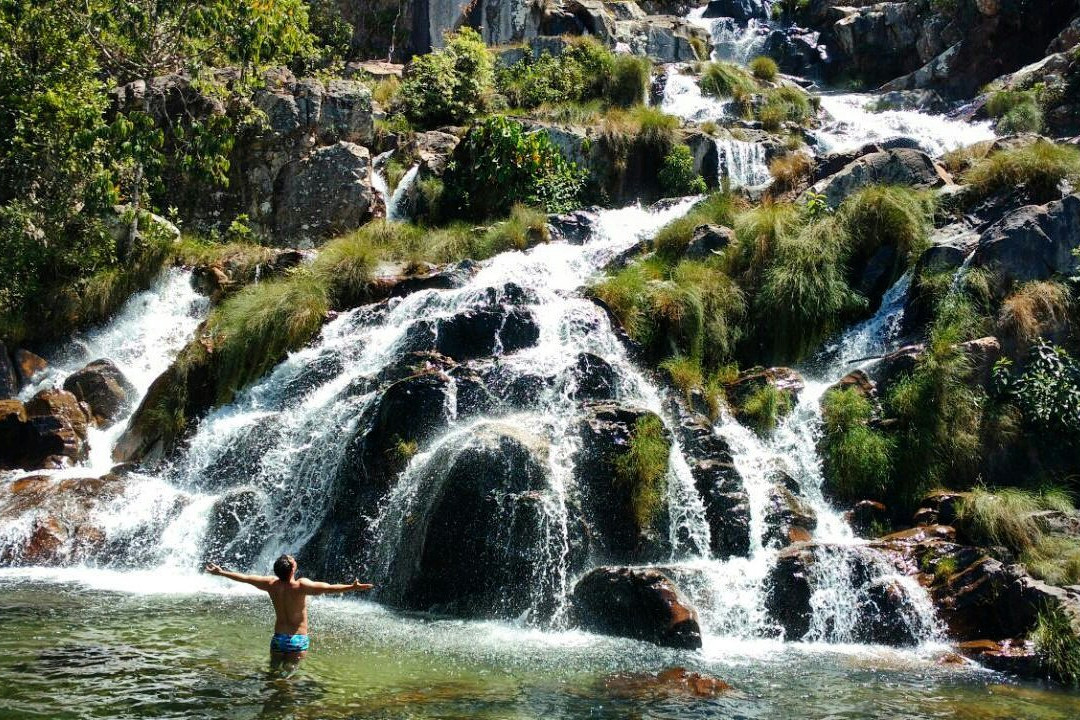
320	588
260	581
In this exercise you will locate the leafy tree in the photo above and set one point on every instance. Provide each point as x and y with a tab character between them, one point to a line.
54	170
450	85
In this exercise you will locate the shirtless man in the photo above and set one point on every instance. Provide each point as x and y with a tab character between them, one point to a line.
289	595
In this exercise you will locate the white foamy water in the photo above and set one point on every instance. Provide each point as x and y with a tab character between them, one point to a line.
742	163
142	340
853	125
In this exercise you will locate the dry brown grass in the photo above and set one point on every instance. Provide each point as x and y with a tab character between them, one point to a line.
790	169
959	160
1035	309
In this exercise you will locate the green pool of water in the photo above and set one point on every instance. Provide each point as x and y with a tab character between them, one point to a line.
70	651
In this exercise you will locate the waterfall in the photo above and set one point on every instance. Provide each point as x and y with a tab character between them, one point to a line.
731	41
141	340
742	163
853	125
683	98
395	209
378	177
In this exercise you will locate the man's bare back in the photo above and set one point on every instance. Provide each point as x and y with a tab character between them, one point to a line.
289	597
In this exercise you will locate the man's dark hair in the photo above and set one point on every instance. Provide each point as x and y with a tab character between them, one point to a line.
283	567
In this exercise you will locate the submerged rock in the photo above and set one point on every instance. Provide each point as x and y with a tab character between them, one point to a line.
104	388
674	682
642	604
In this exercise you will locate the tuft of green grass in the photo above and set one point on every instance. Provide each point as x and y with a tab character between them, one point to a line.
254	329
785	104
643	470
857	459
1057	641
1017	111
884	215
763	409
1005	516
727	80
1039	167
524	228
1031	310
789	169
758	232
804	296
685	374
764	68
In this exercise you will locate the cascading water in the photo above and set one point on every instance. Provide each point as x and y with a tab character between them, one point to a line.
731	41
141	340
742	163
854	124
393	201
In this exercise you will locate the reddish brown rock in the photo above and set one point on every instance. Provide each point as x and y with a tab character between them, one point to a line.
673	682
48	430
27	364
104	389
643	604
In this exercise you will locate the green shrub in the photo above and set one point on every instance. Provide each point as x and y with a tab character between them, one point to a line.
880	215
643	469
677	176
253	330
1025	118
451	85
1057	642
763	408
764	68
785	104
1047	390
804	296
1039	167
543	80
524	228
498	165
938	408
726	80
629	83
856	459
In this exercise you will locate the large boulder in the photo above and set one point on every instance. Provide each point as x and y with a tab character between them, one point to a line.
637	603
610	503
58	514
1036	242
105	389
27	365
788	518
880	610
898	166
717	481
325	193
48	431
481	540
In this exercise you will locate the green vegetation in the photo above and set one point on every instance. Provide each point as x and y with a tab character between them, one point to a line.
1039	168
677	176
1032	310
764	68
790	169
1057	641
673	239
763	408
451	85
1017	111
727	80
882	215
253	330
643	469
1046	390
498	164
785	104
856	456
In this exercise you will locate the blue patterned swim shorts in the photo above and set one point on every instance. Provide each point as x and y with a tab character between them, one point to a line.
289	643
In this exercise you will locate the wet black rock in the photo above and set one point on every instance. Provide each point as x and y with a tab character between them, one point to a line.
882	611
642	604
103	387
594	378
481	542
606	433
741	10
9	381
574	227
239	525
